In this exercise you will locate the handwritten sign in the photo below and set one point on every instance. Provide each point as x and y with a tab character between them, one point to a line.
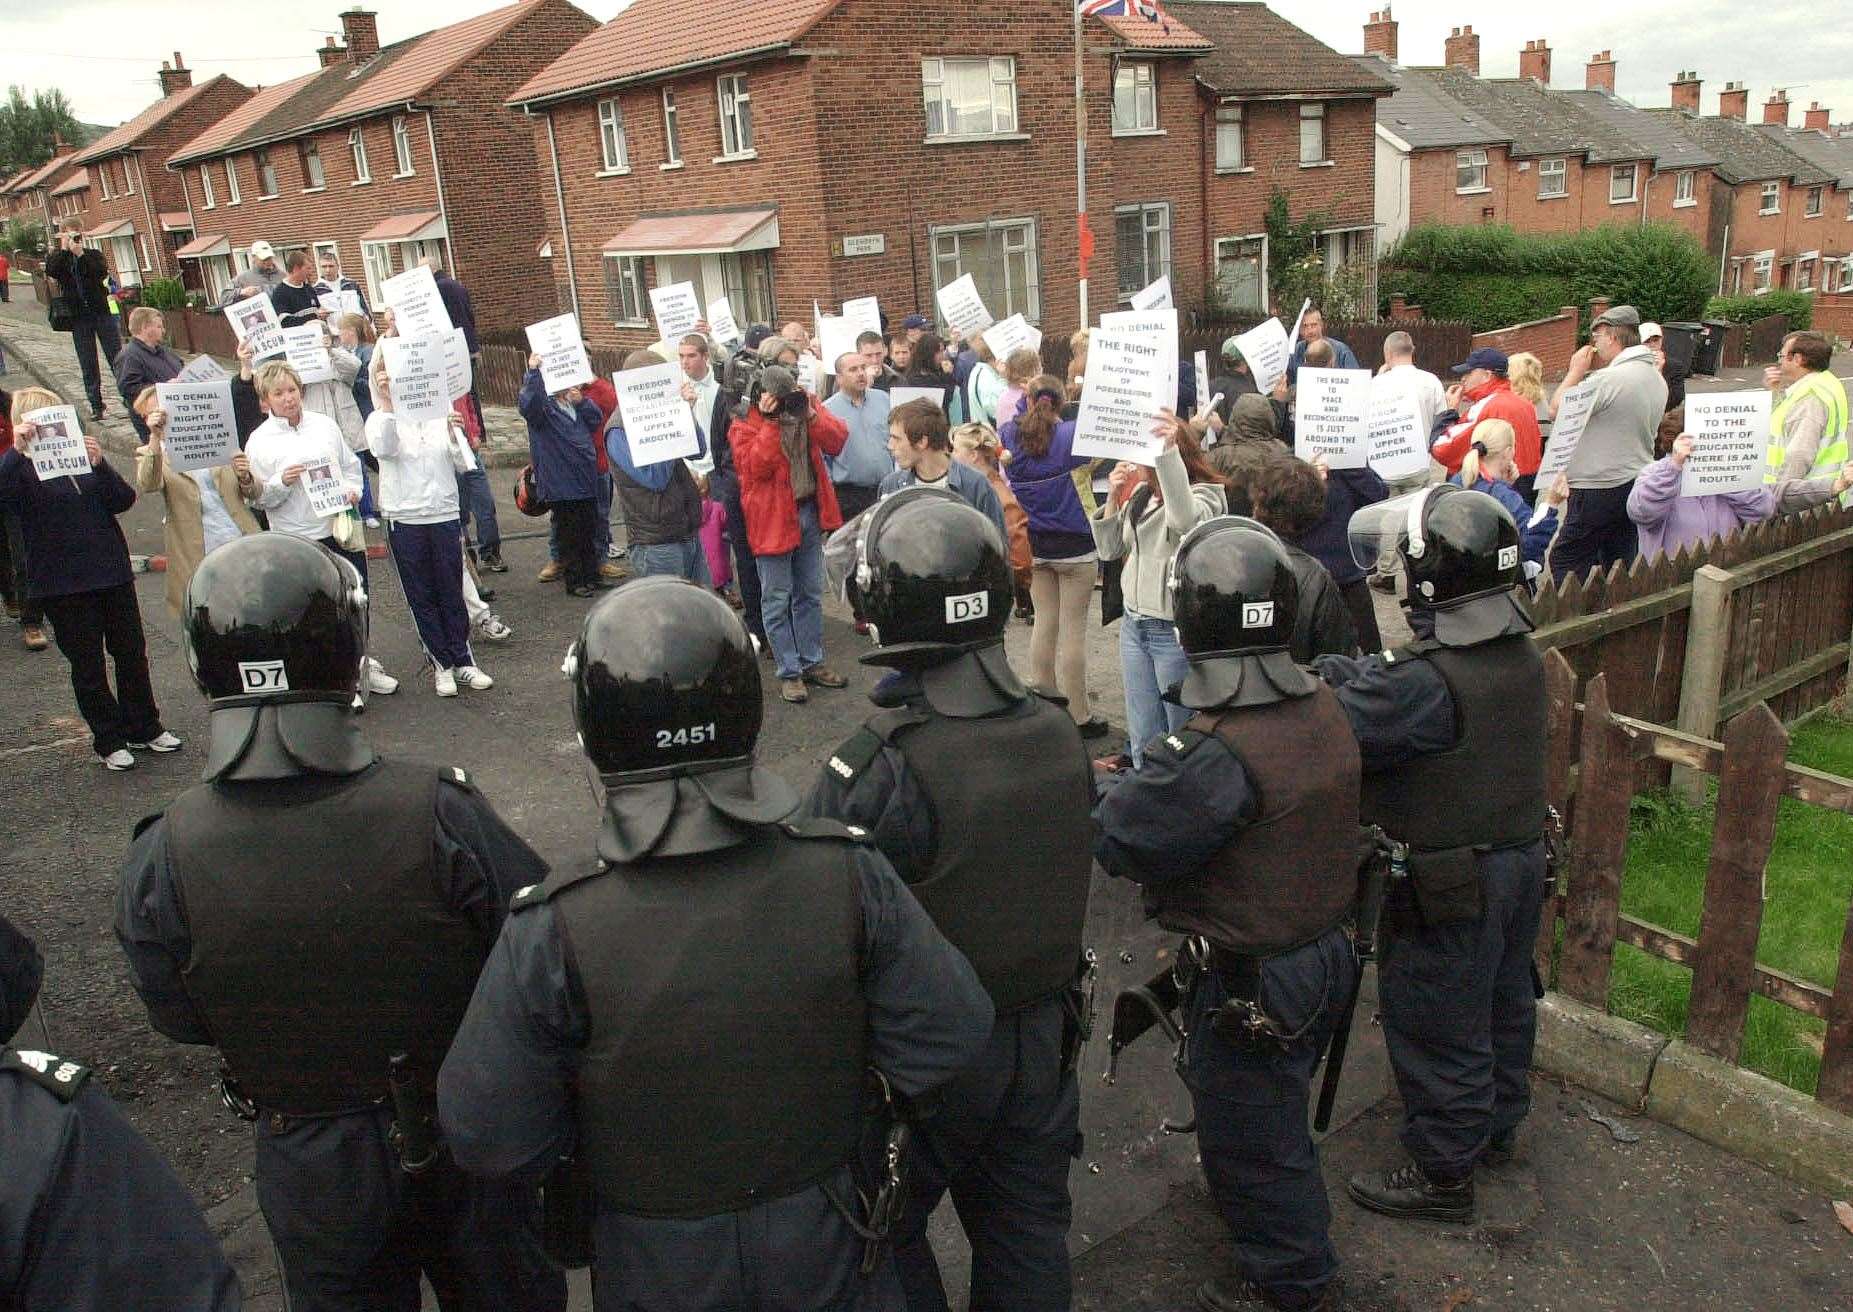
1332	408
327	493
1572	418
58	447
307	354
417	309
1731	440
900	396
677	310
864	313
836	337
1155	297
201	431
1267	350
415	367
254	320
201	369
1299	319
721	322
1398	442
457	372
561	348
657	422
1200	376
1131	376
963	307
1008	336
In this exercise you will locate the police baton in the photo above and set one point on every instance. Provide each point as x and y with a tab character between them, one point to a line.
412	1134
1387	860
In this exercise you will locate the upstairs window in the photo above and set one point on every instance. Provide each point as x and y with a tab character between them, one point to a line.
232	196
266	174
613	156
1685	187
1229	155
1135	98
1772	198
1470	170
205	186
736	116
311	156
357	144
969	97
1816	200
672	129
401	148
1553	178
1621	183
1312	134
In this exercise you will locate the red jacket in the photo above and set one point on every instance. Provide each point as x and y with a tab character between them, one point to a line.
602	394
765	478
1494	400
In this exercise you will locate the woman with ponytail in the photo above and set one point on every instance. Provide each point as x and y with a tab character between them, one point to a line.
1488	467
1041	473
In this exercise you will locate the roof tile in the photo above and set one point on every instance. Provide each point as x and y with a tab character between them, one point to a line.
1165	33
1744	153
1257	51
1671	148
1832	154
431	58
46	171
237	124
130	134
1426	117
78	181
1540	122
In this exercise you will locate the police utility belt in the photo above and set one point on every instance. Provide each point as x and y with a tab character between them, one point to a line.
414	1134
1444	884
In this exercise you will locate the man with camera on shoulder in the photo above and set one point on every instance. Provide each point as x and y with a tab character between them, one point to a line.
82	278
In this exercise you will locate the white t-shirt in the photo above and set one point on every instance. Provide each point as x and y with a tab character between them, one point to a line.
215	520
274	447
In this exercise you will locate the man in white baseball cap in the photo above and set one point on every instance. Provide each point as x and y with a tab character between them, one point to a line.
1653	337
264	264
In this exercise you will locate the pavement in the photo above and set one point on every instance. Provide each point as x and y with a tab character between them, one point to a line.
1581	1221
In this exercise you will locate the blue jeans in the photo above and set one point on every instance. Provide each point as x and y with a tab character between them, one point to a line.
1150	662
791	598
89	334
474	497
683	560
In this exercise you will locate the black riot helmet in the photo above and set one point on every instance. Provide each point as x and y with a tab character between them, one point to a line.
275	618
664	681
1460	545
1233	592
931	576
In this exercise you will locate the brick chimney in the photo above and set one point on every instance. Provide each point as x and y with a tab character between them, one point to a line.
1534	62
1462	50
1734	101
175	76
1776	108
330	53
1599	73
1686	91
1816	119
360	32
1380	35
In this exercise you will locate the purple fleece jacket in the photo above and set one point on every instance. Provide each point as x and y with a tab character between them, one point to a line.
1668	521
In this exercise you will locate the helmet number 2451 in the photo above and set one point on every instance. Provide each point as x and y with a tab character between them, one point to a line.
692	736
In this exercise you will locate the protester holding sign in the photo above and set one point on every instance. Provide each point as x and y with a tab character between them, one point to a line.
562	430
1312	329
1346	491
1489	467
145	360
929	366
1486	391
660	497
78	571
205	507
333	395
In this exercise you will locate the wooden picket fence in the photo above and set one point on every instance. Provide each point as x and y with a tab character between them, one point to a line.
1591	776
500	369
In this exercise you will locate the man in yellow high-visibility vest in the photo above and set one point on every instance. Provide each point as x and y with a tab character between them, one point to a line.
1808	428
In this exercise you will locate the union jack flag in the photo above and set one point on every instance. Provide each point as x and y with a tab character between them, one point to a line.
1120	9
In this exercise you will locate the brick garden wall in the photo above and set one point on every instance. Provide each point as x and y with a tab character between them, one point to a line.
1552	340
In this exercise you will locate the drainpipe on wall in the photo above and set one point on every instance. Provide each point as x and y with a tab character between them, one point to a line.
450	247
1205	163
155	233
566	229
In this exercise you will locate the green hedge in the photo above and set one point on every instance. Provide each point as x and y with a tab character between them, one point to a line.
1484	300
165	294
1798	306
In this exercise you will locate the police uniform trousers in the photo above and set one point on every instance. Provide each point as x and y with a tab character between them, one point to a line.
354	1231
1000	1143
1251	1099
1460	1013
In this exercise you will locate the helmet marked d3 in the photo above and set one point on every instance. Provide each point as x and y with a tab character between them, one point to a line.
1459	545
272	617
1232	589
932	575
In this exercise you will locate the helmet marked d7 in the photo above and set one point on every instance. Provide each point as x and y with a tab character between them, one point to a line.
272	617
664	680
932	574
1460	545
1232	589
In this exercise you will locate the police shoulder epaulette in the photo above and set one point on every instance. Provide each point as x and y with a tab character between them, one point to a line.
850	759
1183	741
147	822
457	776
62	1078
1410	651
534	894
822	828
1049	695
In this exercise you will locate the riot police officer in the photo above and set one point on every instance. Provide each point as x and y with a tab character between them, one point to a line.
698	1011
978	791
91	1218
316	911
1241	830
1452	733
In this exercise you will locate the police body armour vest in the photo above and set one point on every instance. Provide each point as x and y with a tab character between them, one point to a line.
1292	873
727	1052
1014	841
1488	789
322	942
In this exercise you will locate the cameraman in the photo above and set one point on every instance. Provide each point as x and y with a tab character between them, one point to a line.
779	447
82	277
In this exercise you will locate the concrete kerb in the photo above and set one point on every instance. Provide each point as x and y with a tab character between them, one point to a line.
1770	1124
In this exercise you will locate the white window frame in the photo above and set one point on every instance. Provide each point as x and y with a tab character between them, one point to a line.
1001	72
1810	262
402	148
126	271
232	194
1140	77
624	275
1559	169
1016	236
147	265
103	179
735	102
1846	274
1216	258
260	159
1816	204
1468	163
128	176
376	260
1771	201
672	130
1762	272
315	255
1686	187
1154	220
357	149
1633	174
307	150
207	200
1229	116
613	148
1311	113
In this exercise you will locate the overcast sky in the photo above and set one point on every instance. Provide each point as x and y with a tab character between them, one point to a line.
105	53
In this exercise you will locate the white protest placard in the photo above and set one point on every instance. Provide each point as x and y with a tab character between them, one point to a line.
417	309
1398	443
415	368
1731	440
721	322
658	424
307	355
201	369
327	493
1131	376
1572	417
677	310
1155	297
963	307
331	302
561	348
1293	338
1267	350
1008	336
1331	410
58	447
254	320
836	337
1200	376
808	368
458	374
864	313
201	432
900	396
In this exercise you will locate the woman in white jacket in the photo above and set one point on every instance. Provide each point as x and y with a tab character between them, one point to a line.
418	499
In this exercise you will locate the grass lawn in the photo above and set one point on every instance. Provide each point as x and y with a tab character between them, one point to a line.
1804	914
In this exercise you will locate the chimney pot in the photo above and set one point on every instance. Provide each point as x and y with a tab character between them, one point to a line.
1462	50
360	32
1380	35
1685	90
1535	62
175	77
1817	119
1776	108
1599	74
1734	101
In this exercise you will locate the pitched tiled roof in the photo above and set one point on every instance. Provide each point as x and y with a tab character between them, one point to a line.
1539	122
1832	154
1744	153
1166	33
237	125
430	59
78	181
130	134
654	36
1258	51
44	172
1421	114
1671	148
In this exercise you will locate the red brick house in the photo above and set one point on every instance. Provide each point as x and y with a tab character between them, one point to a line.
818	150
386	154
34	187
136	212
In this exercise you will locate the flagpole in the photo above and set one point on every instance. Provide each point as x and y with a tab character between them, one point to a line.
1080	164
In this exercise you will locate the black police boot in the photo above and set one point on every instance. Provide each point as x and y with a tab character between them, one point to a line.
1408	1192
1235	1294
1499	1149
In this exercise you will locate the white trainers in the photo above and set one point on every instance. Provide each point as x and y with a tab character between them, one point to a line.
468	676
380	683
162	742
614	552
492	629
120	759
446	682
